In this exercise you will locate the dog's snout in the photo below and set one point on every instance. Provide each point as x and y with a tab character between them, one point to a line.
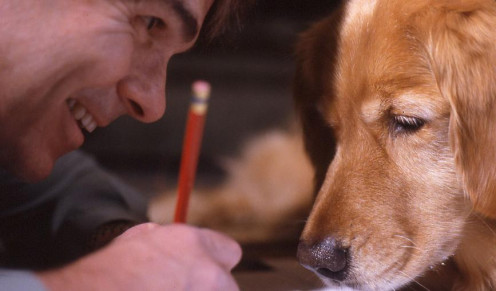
326	257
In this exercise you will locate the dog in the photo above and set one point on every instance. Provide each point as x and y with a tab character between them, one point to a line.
397	101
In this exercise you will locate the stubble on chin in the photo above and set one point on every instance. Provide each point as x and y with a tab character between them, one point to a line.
29	169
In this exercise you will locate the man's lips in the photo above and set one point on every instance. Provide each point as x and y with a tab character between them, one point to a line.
81	115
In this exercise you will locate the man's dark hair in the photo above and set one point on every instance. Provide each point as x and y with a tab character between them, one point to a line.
224	15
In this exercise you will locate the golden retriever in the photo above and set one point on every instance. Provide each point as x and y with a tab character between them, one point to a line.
398	105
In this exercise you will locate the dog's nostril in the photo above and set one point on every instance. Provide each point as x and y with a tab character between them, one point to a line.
327	257
331	274
335	258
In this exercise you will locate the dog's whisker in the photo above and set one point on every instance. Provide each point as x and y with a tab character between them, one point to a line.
412	279
385	274
404	237
412	247
412	244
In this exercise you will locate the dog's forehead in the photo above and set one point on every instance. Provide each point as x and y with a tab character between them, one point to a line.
378	60
357	14
355	52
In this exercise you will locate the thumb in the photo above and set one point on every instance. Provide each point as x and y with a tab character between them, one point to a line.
138	230
222	248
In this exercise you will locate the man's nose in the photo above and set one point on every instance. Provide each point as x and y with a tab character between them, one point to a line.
144	99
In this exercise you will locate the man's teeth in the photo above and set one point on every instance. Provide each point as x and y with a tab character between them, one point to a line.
84	118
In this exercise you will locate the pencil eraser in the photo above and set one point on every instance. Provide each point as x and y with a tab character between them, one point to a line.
201	89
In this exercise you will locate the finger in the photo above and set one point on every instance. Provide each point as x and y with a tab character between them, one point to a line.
138	230
228	284
222	248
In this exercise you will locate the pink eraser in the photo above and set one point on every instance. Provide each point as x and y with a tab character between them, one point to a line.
201	89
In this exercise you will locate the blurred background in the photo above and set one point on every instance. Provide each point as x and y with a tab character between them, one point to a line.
251	73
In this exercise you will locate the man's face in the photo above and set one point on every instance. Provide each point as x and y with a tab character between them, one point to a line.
73	65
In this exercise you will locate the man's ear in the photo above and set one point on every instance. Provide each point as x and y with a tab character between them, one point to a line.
462	47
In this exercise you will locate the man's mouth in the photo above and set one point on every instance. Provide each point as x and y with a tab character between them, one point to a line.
81	115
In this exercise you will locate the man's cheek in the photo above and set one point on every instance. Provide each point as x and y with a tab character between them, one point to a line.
110	61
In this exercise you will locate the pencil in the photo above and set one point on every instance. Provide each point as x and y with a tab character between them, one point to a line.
191	147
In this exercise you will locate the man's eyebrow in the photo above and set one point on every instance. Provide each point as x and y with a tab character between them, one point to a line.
189	22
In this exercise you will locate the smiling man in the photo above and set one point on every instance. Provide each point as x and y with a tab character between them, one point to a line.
73	65
68	66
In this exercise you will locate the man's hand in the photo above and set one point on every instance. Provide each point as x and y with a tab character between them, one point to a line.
154	257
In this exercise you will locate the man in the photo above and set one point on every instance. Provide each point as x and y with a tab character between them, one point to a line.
72	65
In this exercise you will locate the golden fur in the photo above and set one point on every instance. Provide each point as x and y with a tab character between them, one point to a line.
398	106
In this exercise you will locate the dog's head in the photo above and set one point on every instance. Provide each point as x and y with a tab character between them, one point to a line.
398	107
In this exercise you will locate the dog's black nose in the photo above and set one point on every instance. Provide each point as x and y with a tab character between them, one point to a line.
326	257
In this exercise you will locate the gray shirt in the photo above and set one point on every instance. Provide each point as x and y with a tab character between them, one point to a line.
48	224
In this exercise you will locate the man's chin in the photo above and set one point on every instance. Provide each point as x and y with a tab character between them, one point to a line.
33	176
30	170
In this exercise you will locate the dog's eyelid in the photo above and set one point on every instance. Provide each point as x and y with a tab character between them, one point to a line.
411	120
406	124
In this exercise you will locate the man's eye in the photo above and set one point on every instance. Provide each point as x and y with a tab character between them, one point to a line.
406	124
153	22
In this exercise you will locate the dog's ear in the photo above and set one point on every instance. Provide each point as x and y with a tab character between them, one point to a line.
462	45
315	58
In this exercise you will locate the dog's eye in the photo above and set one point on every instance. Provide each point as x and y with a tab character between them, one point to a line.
406	124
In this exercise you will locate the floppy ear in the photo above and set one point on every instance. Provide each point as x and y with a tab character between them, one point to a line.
316	53
463	57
